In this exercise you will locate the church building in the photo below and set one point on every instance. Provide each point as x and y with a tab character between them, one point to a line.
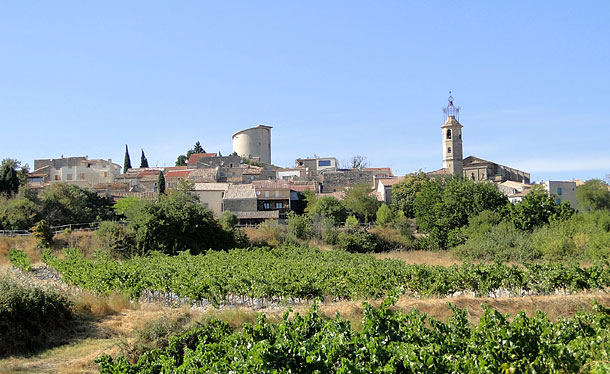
471	167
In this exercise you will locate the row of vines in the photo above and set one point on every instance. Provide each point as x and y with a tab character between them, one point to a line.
306	273
388	341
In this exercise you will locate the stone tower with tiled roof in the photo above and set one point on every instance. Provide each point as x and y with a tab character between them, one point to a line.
453	158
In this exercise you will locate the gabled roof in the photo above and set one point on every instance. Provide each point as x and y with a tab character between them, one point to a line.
211	186
390	181
195	157
178	173
240	191
442	171
387	170
273	184
203	175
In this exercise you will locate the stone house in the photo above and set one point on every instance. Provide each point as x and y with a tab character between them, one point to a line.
80	171
273	195
240	198
211	195
383	188
315	166
562	191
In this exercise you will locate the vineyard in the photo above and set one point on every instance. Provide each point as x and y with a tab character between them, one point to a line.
387	342
306	273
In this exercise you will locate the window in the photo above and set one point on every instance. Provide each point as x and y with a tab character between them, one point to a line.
558	201
472	176
448	133
105	174
266	206
156	188
324	163
279	205
58	177
266	193
69	177
82	176
449	150
277	193
559	191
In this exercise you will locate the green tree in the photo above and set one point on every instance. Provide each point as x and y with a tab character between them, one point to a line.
404	193
143	160
535	210
228	220
593	195
126	206
385	216
9	177
181	160
127	160
351	222
161	183
326	207
443	205
66	203
178	222
361	203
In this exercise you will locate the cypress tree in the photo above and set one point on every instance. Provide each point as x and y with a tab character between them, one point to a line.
143	160
161	183
127	162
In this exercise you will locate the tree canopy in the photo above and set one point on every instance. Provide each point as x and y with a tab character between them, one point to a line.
361	203
143	160
593	195
127	160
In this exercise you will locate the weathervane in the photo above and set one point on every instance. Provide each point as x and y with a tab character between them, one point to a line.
451	110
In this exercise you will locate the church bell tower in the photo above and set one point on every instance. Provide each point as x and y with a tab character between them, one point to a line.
453	159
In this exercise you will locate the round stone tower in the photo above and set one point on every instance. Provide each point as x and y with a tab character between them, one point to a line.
453	159
254	142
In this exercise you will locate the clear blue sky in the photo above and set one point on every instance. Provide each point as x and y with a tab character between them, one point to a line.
333	78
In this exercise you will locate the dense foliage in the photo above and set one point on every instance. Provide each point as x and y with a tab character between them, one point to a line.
388	342
177	222
19	259
28	315
593	195
444	205
492	237
300	272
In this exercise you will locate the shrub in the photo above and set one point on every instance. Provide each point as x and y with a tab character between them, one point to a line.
359	241
299	226
268	233
19	259
352	222
228	220
501	242
116	238
43	233
389	239
384	215
30	317
330	233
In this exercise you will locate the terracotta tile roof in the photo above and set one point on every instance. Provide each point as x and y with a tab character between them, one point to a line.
303	187
172	168
178	173
211	186
195	157
387	170
273	184
240	191
439	172
391	181
203	175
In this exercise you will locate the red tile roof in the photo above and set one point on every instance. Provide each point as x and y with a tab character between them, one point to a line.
195	157
178	173
387	170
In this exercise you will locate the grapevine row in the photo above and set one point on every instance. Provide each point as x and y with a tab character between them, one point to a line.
298	272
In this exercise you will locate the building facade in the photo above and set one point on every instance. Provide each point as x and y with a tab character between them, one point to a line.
253	143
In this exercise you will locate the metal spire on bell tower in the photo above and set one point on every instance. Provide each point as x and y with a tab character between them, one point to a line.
451	110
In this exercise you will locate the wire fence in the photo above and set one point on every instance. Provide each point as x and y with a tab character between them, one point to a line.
89	226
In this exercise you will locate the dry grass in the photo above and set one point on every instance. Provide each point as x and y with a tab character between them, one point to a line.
555	306
443	258
23	243
87	241
101	305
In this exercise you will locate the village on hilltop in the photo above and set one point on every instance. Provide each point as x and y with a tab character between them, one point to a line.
249	185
